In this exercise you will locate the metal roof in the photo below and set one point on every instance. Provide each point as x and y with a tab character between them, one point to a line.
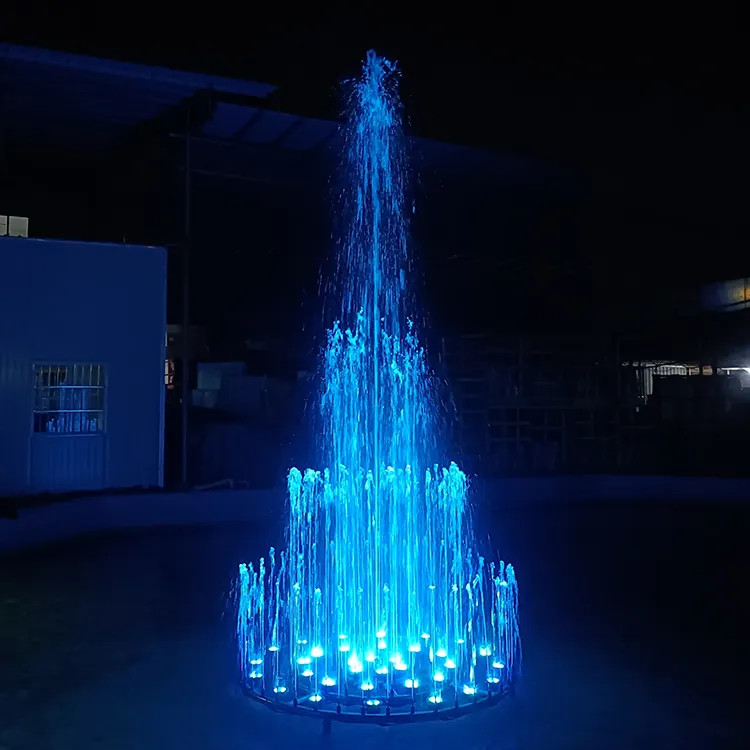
69	101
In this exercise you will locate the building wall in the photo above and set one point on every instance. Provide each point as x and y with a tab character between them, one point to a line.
65	303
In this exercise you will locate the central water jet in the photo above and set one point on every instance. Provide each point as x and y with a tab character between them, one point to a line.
381	607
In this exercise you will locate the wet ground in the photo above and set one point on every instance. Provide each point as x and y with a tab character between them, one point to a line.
633	619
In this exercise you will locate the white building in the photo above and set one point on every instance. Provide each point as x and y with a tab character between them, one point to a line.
82	352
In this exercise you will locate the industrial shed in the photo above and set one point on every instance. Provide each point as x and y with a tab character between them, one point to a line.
82	352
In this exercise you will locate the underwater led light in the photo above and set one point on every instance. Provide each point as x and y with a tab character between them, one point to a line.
279	689
382	566
469	690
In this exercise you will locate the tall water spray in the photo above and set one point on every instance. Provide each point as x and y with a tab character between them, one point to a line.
381	604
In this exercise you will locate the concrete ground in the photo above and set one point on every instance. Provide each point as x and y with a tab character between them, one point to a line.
633	619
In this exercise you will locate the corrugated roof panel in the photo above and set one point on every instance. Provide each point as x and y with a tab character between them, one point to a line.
147	75
308	134
269	127
228	120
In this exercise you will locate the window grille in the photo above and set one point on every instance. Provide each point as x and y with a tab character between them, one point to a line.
69	399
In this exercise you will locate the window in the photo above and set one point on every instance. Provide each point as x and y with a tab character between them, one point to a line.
169	374
69	399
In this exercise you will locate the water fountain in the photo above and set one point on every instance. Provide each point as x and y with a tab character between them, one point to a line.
381	608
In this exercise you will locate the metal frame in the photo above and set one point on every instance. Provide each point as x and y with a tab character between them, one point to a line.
381	715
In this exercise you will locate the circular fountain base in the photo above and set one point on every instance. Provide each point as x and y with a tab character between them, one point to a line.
386	712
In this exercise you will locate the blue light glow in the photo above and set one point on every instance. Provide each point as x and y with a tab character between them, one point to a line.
381	549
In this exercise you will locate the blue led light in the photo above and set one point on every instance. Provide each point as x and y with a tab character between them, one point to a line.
372	702
382	560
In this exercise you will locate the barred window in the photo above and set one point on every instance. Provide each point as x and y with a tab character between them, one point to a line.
69	399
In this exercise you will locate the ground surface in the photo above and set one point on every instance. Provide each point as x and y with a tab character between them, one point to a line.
633	621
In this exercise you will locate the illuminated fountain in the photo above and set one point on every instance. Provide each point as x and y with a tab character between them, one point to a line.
381	608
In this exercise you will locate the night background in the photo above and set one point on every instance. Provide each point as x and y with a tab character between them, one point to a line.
579	228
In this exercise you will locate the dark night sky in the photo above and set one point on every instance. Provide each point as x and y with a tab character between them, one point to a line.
643	102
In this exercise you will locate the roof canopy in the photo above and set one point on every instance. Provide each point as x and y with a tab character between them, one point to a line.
88	105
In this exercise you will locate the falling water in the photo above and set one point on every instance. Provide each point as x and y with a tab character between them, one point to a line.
381	602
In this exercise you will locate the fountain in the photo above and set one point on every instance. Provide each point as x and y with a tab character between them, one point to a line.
381	608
